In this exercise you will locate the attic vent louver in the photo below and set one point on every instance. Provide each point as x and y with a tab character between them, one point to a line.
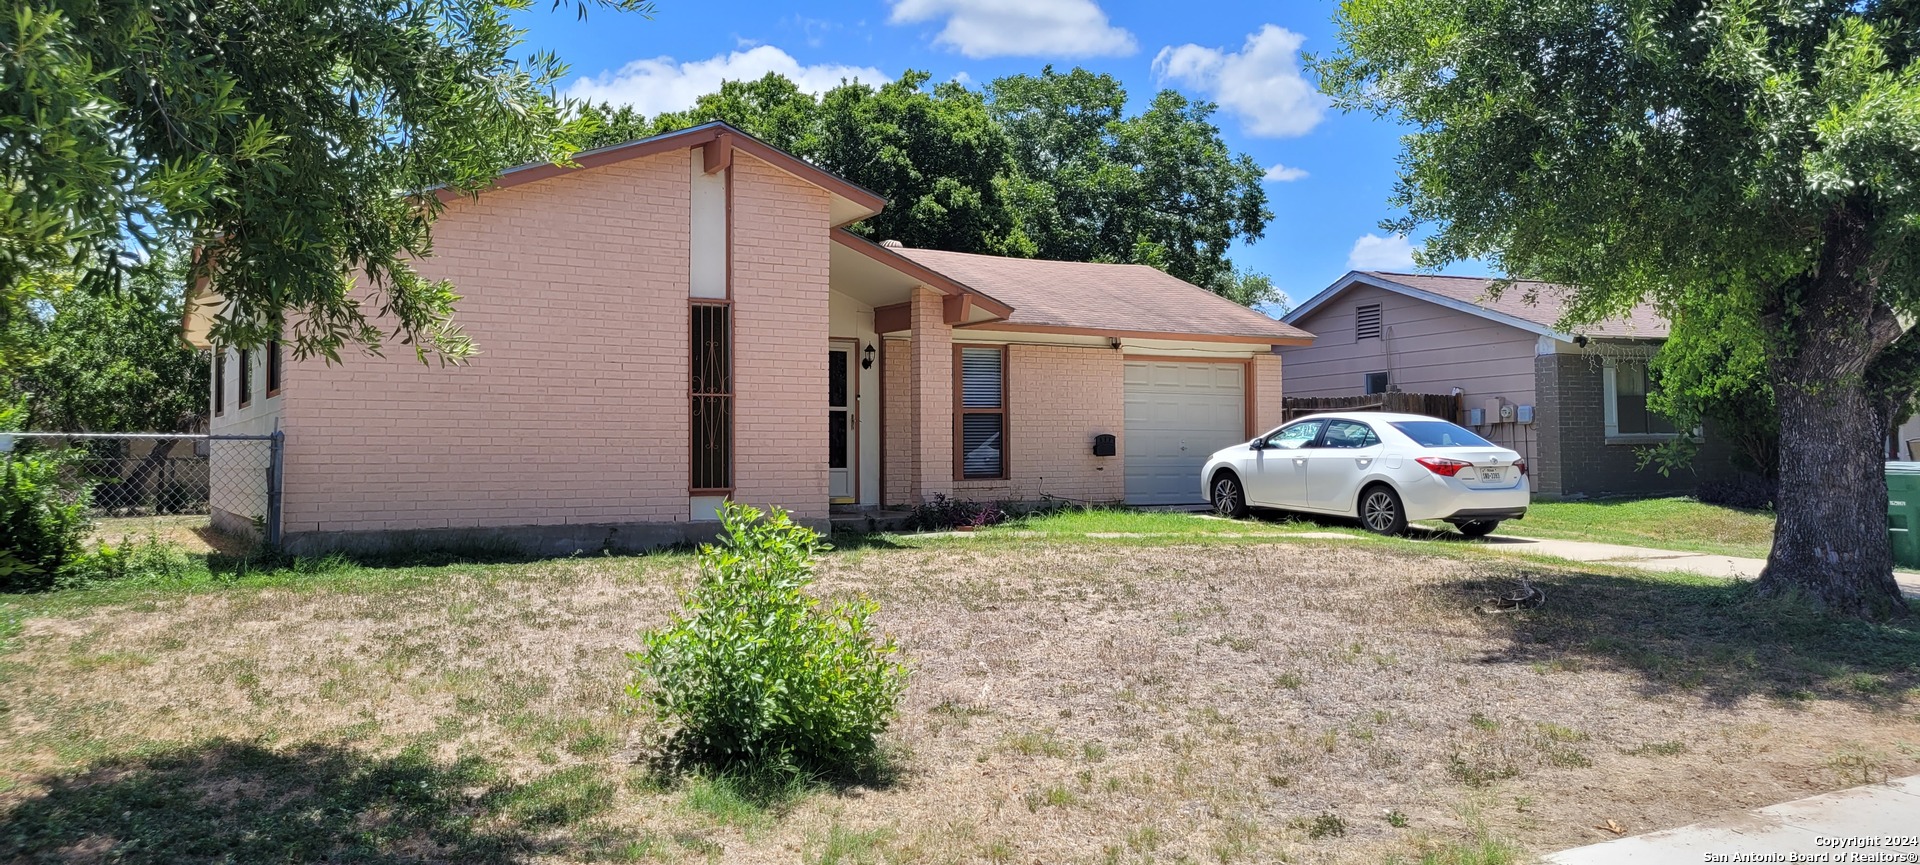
893	244
1367	321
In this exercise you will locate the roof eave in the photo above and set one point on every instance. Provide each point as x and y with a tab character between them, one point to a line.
869	202
1356	277
926	275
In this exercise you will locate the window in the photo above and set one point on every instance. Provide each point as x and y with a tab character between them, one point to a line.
273	368
246	378
1440	434
710	344
982	398
1377	383
1348	434
219	383
1625	401
1297	436
1366	321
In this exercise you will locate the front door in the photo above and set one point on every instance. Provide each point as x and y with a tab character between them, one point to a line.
840	431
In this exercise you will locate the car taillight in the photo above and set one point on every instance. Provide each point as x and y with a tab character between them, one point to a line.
1443	467
1521	465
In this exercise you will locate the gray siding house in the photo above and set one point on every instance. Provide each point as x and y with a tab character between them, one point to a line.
1573	402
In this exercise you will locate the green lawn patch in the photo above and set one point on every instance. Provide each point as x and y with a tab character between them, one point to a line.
1670	524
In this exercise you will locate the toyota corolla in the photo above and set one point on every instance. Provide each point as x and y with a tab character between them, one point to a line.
1383	469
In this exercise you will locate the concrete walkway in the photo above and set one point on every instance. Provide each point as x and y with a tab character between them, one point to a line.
1864	824
1728	567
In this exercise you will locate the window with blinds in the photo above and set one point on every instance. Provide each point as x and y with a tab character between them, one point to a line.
273	368
1366	320
982	394
711	396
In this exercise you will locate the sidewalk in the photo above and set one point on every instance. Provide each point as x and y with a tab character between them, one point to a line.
1729	567
1873	818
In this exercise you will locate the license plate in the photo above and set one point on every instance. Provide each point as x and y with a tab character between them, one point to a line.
1488	474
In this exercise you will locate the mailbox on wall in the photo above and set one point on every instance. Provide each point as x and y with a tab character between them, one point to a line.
1104	446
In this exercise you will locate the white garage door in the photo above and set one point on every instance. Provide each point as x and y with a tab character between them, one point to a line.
1179	413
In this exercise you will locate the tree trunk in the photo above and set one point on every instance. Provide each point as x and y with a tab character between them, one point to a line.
1830	542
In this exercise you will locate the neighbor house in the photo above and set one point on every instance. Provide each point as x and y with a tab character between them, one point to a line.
685	319
1573	402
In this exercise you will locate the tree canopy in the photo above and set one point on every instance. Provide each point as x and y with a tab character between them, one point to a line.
1046	165
291	142
110	361
1749	163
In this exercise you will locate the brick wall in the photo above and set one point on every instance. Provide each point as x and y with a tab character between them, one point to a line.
1548	479
1577	459
931	351
780	250
1265	393
896	440
1060	397
574	411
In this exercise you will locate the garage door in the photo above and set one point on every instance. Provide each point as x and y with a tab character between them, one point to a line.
1178	413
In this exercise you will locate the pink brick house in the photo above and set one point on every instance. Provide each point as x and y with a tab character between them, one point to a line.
684	319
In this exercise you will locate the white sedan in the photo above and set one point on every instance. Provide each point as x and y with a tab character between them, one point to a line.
1385	469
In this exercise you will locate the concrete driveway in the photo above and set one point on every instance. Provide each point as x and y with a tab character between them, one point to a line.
1646	558
1875	823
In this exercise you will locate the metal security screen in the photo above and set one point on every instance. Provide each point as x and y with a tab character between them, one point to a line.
711	392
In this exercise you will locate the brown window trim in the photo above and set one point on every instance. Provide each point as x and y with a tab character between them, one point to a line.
274	371
960	412
246	378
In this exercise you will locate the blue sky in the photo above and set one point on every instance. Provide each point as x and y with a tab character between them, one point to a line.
1330	174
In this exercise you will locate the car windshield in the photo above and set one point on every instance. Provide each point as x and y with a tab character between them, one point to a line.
1440	434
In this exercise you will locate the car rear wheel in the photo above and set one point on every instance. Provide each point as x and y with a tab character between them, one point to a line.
1229	499
1478	528
1381	511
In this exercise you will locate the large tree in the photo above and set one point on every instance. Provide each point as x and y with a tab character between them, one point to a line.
289	141
110	361
1757	156
1161	188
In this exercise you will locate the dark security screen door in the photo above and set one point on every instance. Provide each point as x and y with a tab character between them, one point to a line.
840	423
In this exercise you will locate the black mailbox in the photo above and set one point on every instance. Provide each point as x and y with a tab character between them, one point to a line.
1103	445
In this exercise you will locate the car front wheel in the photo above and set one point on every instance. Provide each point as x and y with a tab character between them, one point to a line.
1229	500
1381	511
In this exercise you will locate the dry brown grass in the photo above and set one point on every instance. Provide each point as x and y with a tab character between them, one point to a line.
1070	702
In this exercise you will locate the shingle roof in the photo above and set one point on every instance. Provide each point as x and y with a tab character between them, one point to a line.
1539	302
1107	297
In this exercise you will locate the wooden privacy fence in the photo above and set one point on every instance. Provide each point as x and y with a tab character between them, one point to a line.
1440	405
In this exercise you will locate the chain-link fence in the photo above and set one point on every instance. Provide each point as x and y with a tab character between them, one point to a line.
217	491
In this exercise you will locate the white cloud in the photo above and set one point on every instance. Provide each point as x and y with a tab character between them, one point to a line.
1020	28
1374	252
1284	174
662	84
1261	85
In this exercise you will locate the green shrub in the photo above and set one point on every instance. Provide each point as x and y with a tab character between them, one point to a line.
43	520
143	560
755	670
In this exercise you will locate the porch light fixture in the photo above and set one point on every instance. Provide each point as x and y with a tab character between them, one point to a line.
866	357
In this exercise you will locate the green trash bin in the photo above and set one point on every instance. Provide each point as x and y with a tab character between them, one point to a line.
1903	513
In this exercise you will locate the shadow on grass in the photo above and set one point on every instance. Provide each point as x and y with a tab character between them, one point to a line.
1703	636
238	802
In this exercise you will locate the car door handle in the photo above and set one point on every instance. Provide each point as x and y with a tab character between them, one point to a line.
1299	460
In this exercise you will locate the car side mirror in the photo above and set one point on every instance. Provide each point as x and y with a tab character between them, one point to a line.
1257	445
